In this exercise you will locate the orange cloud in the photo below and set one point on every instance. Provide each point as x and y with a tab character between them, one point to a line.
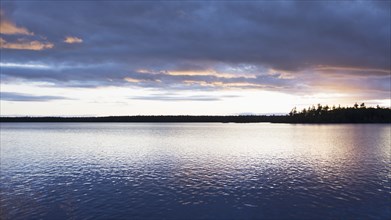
131	80
222	84
208	73
72	40
25	45
350	69
9	28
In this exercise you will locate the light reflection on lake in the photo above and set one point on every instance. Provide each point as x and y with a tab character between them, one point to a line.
177	171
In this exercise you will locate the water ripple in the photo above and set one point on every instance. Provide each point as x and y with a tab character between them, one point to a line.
195	171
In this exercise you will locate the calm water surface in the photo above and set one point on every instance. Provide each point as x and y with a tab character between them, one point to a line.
194	171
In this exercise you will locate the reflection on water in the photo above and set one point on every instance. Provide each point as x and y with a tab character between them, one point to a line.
198	171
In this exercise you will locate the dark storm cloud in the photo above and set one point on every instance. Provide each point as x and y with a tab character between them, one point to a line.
21	97
120	38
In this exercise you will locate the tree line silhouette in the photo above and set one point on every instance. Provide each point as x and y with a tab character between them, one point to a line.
313	114
355	114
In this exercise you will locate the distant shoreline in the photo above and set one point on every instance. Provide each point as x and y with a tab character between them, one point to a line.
186	119
150	119
312	115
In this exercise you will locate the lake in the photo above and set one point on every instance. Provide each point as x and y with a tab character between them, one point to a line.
195	171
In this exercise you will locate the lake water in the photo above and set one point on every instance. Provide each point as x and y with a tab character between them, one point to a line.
194	171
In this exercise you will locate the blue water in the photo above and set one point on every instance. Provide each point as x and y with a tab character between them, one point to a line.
194	171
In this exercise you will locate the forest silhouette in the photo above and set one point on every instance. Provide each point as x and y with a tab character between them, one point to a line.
313	114
325	114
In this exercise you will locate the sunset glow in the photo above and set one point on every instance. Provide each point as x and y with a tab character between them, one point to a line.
176	58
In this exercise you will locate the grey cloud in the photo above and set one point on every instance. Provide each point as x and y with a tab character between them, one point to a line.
165	98
283	35
249	37
102	76
21	97
177	97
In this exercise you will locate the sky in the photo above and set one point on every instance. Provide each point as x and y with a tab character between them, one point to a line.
95	58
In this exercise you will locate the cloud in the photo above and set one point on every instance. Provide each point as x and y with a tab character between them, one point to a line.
279	35
201	81
168	98
23	44
21	97
9	28
175	97
355	71
131	80
72	40
24	65
294	47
